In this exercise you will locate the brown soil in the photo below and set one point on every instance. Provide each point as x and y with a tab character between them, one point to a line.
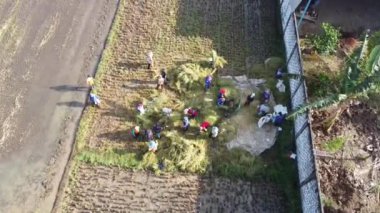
349	176
166	28
103	189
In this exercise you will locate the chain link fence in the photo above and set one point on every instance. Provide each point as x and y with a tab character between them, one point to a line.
307	169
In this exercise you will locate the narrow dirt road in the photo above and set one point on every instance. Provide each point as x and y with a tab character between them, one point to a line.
47	49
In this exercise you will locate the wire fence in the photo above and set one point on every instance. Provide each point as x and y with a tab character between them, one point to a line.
307	169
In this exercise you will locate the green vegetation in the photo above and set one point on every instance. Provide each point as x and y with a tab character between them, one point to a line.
329	203
356	82
373	41
321	85
192	152
218	62
328	41
112	157
334	145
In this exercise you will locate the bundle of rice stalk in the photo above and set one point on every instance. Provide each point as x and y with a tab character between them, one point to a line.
187	155
150	161
188	77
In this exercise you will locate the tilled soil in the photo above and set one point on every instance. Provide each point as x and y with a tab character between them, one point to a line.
349	177
177	32
102	189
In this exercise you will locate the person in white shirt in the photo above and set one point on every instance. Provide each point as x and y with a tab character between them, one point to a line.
149	60
214	132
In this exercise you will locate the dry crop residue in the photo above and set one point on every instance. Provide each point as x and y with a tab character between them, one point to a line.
114	190
175	35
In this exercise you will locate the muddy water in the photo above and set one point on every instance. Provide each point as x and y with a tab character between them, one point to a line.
47	48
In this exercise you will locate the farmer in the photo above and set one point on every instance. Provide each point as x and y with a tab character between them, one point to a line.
278	120
94	100
222	93
140	108
160	82
185	123
214	132
262	109
266	96
157	129
221	101
208	81
167	111
149	59
204	126
149	135
279	74
164	75
90	81
192	113
152	146
250	99
135	132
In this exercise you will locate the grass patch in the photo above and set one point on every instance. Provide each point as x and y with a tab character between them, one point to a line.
238	164
111	157
84	128
329	203
183	52
282	170
335	144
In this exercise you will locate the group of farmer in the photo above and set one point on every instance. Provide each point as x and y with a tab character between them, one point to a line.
152	134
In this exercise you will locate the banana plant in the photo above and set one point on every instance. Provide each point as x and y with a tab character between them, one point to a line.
218	62
357	82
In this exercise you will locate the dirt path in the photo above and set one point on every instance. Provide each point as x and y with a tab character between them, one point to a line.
48	47
103	189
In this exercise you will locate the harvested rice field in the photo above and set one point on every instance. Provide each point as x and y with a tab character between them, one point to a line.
113	172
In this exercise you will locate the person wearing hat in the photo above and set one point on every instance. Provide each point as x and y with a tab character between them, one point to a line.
250	99
204	126
208	81
185	123
135	132
149	60
94	100
214	132
152	146
222	93
191	113
266	96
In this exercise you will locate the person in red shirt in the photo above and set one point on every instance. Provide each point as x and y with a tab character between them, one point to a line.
204	126
222	93
191	113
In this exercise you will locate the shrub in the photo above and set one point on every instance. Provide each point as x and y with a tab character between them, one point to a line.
320	84
334	145
374	40
328	41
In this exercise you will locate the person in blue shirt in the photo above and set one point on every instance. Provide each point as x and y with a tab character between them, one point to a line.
221	101
157	129
278	120
208	81
266	96
279	74
94	100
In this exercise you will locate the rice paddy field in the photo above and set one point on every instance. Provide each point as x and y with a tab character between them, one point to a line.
113	172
